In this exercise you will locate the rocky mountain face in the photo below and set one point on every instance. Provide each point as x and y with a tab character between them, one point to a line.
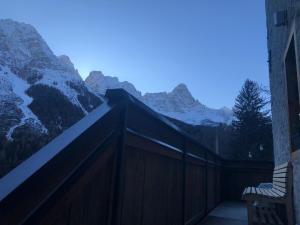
178	104
99	83
40	94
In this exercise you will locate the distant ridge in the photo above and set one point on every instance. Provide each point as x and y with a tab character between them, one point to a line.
178	104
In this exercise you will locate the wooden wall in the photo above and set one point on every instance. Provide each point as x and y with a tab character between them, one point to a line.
237	175
130	168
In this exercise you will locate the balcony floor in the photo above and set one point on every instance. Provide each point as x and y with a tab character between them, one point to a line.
228	213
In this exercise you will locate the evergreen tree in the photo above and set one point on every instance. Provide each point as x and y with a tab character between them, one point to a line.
252	127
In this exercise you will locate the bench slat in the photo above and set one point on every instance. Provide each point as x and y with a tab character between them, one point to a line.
248	190
270	193
244	192
279	179
284	165
280	175
283	190
264	191
274	193
279	184
281	194
259	191
283	170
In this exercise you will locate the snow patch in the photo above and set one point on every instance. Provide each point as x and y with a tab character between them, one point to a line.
18	87
60	80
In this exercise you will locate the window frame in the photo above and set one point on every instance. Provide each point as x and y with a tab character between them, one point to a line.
292	37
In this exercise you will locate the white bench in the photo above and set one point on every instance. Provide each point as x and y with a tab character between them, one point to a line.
280	193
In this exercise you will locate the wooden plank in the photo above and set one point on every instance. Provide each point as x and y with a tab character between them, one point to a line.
270	193
195	191
283	185
279	187
266	216
245	191
281	194
279	179
255	215
281	166
264	192
258	190
248	190
283	170
278	175
283	190
152	145
269	216
262	217
276	217
274	193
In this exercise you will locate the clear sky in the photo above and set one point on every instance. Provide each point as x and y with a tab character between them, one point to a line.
211	46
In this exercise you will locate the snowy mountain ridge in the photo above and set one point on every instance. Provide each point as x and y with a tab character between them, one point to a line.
42	94
178	104
34	81
99	83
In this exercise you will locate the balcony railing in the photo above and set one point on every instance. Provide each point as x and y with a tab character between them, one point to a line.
123	164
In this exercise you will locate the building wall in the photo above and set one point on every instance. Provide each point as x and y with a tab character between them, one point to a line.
278	39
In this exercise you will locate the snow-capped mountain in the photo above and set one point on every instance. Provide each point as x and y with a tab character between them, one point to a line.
41	94
100	83
178	104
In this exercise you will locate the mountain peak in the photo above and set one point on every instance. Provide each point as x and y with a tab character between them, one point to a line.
179	103
182	89
181	86
9	26
95	74
182	93
21	45
36	85
99	83
226	109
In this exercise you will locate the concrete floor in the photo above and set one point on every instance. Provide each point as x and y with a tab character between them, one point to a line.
228	213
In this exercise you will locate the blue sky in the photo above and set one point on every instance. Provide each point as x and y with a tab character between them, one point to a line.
211	46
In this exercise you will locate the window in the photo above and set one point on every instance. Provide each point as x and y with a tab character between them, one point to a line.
293	96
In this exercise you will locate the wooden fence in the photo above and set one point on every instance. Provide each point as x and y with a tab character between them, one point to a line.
123	165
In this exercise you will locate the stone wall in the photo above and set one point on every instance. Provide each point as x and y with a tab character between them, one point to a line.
278	38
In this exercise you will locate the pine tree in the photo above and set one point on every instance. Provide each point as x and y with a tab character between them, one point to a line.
252	129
